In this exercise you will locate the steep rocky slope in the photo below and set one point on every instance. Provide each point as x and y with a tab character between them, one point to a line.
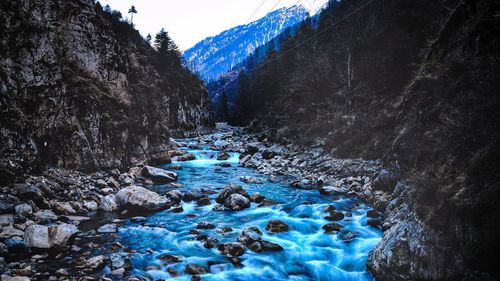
415	84
79	89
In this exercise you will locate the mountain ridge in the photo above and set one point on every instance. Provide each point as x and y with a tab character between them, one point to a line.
217	54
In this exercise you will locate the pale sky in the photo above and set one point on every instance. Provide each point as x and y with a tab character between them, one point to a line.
190	21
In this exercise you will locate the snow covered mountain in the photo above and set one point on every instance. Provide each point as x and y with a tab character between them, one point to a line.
216	55
314	6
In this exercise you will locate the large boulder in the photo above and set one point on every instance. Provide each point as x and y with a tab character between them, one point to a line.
264	246
108	203
195	269
234	197
28	192
232	249
140	197
250	235
229	190
159	175
41	236
237	202
276	226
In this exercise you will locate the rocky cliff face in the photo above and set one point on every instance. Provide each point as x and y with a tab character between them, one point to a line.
414	84
79	89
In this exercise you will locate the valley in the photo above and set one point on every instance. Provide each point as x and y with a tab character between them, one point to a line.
326	140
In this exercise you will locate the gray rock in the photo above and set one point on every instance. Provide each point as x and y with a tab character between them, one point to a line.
140	197
44	216
107	228
159	175
195	269
95	263
24	210
6	277
249	179
90	205
237	202
250	235
41	236
264	246
108	203
205	225
6	220
276	226
232	249
117	260
119	272
10	231
229	190
332	190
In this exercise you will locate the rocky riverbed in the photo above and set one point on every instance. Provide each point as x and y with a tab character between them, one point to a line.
231	204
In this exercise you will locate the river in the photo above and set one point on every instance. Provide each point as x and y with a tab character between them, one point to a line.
308	252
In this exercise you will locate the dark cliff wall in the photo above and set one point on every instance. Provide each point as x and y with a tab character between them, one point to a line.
417	84
79	89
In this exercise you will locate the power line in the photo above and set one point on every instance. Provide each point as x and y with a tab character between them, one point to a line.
254	12
308	39
277	3
319	33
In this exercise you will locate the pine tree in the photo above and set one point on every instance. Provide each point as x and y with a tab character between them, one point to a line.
168	52
149	38
132	11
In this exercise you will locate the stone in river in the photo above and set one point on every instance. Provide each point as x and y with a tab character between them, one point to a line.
257	197
329	209
229	190
170	258
335	216
204	201
347	235
232	249
177	209
192	195
267	202
276	226
332	227
107	228
250	235
249	179
195	269
237	202
205	225
265	246
223	156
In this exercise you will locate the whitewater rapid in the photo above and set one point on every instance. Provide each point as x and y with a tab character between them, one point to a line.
309	253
